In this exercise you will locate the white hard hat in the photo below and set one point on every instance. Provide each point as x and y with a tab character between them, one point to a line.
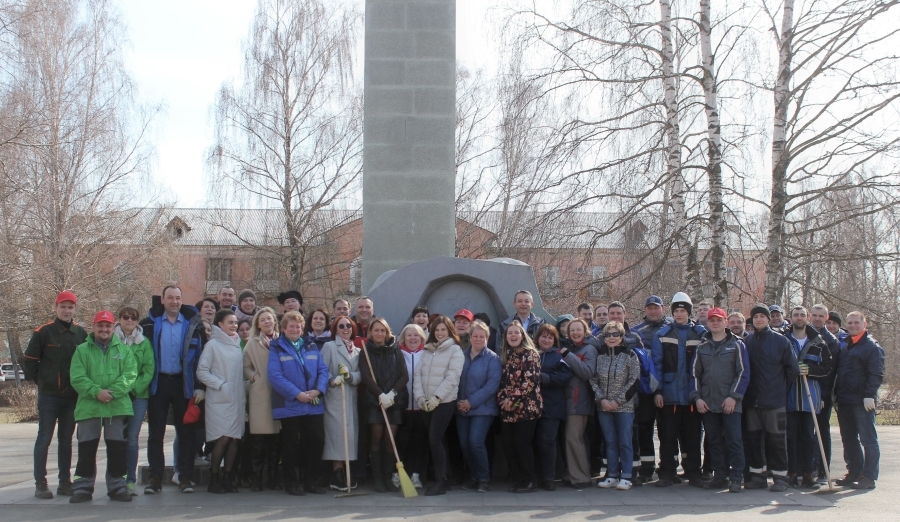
682	297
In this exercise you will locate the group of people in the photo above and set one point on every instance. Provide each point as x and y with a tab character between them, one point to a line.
331	399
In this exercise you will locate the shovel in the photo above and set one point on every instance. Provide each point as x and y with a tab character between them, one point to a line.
812	411
349	492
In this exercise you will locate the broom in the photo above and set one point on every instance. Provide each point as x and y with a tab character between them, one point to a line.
406	485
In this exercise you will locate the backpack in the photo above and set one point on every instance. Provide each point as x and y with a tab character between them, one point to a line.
649	381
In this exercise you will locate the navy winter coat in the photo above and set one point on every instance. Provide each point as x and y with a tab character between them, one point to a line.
555	376
860	371
673	351
773	366
479	382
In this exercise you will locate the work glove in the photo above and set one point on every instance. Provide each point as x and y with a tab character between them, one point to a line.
421	402
869	404
338	381
344	372
432	403
315	401
804	369
386	400
199	395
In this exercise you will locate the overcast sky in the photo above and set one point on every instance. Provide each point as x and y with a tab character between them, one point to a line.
180	53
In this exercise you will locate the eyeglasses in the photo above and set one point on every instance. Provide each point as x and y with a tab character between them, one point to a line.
345	326
129	318
612	334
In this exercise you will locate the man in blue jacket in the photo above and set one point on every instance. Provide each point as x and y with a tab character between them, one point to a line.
814	359
773	366
860	371
721	372
177	336
673	349
645	412
818	318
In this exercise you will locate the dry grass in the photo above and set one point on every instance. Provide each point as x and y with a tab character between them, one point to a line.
20	404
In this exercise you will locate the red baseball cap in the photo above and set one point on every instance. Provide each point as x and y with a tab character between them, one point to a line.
717	312
104	316
464	313
66	295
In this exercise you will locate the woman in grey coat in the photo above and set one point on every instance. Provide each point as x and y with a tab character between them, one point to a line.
342	359
221	369
580	354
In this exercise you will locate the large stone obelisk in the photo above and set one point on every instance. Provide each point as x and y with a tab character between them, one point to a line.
409	166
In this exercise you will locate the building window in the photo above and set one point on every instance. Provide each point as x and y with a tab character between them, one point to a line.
265	275
598	281
218	274
171	273
320	273
731	274
551	281
356	276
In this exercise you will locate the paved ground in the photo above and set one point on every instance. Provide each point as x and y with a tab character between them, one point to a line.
647	503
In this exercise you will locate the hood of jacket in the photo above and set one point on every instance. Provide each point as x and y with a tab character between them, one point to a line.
388	345
440	347
136	336
219	335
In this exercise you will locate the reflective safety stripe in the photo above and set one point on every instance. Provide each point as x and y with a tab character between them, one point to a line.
758	470
691	342
648	459
669	340
779	473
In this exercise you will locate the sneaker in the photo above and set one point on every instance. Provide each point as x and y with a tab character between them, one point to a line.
608	483
42	492
78	498
778	487
338	480
469	484
822	480
130	489
417	483
65	489
735	486
483	487
154	487
186	486
624	484
864	482
395	479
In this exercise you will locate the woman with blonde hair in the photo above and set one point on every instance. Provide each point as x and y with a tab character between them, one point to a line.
413	431
264	430
384	374
521	405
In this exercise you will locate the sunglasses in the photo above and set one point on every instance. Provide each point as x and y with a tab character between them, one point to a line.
345	326
129	318
613	334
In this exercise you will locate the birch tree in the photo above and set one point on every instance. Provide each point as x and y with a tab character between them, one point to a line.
290	136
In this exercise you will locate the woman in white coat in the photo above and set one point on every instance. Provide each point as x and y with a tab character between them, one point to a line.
342	359
221	369
435	387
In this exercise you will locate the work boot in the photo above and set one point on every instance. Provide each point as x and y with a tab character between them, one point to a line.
848	480
215	484
229	482
387	460
735	486
808	482
154	487
42	492
78	498
864	482
440	487
65	489
375	461
121	496
779	486
792	480
756	482
716	484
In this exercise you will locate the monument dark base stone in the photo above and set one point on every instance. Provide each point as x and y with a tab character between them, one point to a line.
200	476
447	284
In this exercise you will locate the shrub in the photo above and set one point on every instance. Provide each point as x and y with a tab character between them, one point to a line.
22	400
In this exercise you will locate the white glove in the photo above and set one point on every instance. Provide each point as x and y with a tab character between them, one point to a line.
432	403
338	381
199	395
869	404
386	400
421	402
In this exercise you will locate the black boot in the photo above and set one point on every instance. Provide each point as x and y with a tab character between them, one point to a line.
440	487
375	461
389	462
229	480
273	443
215	483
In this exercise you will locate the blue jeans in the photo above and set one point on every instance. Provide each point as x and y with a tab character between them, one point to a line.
53	410
726	447
617	432
473	433
132	434
545	447
858	434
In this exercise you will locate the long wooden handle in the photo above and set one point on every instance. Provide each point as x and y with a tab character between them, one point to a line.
812	411
383	411
346	444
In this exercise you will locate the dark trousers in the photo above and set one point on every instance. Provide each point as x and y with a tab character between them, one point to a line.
301	456
411	437
517	438
545	447
679	423
642	437
772	425
54	412
437	422
823	419
244	463
170	392
266	454
861	450
802	445
726	447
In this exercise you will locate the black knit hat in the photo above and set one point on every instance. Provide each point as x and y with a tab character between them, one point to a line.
760	308
834	316
290	294
245	293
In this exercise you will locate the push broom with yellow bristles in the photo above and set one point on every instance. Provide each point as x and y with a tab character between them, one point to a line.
406	485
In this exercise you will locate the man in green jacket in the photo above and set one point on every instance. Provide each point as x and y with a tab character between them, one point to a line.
103	374
46	362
